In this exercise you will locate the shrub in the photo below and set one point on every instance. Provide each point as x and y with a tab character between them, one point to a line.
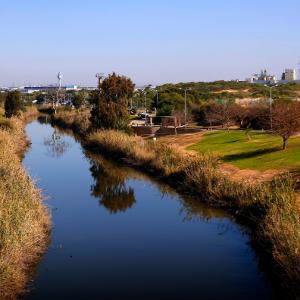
13	104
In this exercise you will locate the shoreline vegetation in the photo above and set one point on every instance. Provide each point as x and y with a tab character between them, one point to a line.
24	220
270	209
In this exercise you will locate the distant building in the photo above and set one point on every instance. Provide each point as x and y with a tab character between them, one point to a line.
71	87
262	78
32	89
289	75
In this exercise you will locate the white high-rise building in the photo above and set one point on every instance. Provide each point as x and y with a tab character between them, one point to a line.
289	75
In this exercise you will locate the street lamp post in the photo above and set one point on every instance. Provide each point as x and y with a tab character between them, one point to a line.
185	92
185	105
270	104
145	102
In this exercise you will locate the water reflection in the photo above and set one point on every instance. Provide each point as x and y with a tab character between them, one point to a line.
194	210
110	187
56	145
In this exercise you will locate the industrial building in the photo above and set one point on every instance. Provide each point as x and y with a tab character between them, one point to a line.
289	75
262	78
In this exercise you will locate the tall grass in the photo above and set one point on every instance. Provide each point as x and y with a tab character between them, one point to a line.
271	208
24	221
78	120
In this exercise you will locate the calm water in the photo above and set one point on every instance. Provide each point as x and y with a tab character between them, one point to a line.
119	235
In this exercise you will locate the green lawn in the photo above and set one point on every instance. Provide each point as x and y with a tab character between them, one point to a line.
262	152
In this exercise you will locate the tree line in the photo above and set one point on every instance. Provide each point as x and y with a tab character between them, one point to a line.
110	105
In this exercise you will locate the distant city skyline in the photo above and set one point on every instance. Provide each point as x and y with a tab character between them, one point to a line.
151	42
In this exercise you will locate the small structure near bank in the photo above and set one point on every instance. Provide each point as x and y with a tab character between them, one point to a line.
161	125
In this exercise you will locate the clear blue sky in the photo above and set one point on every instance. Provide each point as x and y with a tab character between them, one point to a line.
151	41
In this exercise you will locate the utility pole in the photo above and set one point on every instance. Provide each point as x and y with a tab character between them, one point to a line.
185	91
145	98
271	111
270	104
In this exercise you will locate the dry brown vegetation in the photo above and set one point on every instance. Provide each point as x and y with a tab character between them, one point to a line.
271	208
24	220
77	120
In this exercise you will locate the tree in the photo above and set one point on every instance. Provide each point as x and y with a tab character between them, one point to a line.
40	98
55	96
13	104
110	106
2	98
180	118
286	120
168	102
78	100
221	113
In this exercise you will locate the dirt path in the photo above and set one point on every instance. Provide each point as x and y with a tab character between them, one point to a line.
247	174
183	140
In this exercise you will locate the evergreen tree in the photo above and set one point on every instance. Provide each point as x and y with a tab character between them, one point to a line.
110	105
13	104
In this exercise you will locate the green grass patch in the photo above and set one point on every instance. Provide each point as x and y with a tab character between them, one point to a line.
261	152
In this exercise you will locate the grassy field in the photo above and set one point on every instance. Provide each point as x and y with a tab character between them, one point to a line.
262	152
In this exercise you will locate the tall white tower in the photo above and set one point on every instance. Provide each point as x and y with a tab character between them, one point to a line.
59	77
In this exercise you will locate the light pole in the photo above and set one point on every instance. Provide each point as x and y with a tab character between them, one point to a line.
185	91
270	104
145	95
185	104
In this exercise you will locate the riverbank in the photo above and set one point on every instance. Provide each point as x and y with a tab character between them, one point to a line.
271	209
24	220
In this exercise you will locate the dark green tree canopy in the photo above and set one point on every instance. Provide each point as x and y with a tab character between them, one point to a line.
78	100
13	104
117	88
110	105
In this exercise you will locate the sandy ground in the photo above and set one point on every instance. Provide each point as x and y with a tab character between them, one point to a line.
183	140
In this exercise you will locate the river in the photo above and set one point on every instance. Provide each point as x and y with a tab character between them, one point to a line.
118	234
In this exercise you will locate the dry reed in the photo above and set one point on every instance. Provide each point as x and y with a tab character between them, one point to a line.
24	220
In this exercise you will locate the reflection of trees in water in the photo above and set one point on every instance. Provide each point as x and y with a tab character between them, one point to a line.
194	210
56	144
110	187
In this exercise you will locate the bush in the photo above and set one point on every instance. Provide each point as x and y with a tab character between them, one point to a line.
78	100
13	104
